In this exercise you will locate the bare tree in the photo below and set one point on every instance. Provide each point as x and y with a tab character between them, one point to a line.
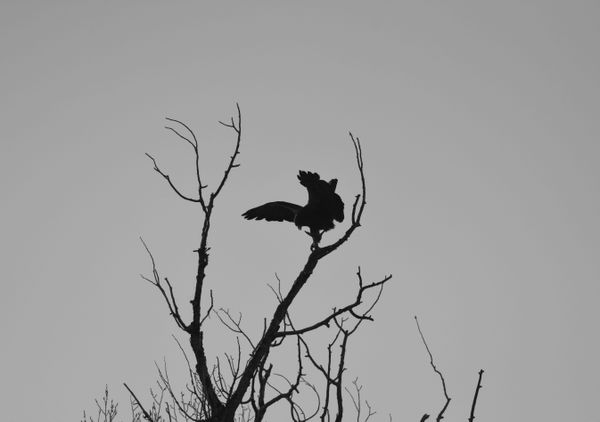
247	388
247	391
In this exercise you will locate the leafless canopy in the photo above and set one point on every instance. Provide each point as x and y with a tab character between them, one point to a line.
245	389
240	386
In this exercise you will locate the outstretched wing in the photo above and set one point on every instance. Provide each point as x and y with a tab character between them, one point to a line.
273	211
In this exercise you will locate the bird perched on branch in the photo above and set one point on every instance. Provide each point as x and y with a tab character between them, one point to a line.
323	207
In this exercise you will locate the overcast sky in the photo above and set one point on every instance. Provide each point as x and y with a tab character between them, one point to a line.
480	129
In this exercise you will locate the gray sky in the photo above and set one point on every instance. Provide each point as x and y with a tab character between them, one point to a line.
479	124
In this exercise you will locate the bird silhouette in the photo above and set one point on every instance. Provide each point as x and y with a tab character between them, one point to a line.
323	207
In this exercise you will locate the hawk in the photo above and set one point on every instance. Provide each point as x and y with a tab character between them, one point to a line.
323	207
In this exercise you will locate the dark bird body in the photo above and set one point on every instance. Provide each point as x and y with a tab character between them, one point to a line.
323	207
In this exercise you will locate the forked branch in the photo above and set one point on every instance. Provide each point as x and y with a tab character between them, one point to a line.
237	127
170	297
168	179
350	308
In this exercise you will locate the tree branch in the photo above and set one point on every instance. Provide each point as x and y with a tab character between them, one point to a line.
196	335
238	129
194	145
234	325
359	203
169	299
348	308
440	415
472	415
168	179
357	402
139	404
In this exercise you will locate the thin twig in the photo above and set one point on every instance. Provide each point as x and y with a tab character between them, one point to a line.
169	299
193	144
168	179
440	415
238	129
233	325
359	203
